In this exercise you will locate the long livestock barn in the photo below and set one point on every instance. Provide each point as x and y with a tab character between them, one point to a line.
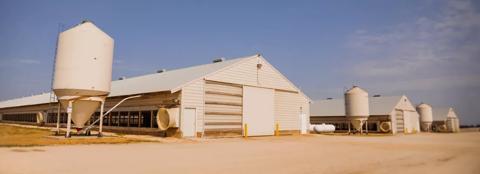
214	99
388	114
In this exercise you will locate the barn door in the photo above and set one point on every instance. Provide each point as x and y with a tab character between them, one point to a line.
303	123
187	124
258	110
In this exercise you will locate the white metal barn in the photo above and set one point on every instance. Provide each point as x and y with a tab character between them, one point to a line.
216	98
445	120
395	111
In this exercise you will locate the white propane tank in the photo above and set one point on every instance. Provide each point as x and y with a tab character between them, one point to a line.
356	106
167	118
83	70
322	128
426	116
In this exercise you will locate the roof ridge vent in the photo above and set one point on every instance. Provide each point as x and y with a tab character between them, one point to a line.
85	21
222	59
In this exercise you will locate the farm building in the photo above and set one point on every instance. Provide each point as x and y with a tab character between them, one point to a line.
445	120
212	99
388	114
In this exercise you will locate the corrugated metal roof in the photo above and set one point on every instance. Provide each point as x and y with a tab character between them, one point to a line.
30	100
157	82
336	107
330	107
169	80
383	105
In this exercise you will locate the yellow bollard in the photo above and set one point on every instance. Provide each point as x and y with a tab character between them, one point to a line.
245	131
277	127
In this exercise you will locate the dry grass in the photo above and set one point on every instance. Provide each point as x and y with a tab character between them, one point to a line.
14	136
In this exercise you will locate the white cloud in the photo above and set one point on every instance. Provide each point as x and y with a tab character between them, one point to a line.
434	58
450	83
430	46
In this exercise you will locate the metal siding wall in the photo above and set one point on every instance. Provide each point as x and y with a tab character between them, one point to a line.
193	96
246	73
287	109
22	109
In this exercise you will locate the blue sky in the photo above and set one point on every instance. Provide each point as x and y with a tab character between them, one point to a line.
428	50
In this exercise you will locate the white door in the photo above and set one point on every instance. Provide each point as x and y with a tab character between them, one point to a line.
187	125
258	110
303	123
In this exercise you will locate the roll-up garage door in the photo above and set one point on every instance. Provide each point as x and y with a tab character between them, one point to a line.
400	121
223	108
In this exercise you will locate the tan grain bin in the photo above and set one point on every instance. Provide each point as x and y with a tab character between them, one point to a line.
83	69
356	106
426	116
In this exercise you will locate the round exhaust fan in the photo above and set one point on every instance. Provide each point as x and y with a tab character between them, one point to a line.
167	118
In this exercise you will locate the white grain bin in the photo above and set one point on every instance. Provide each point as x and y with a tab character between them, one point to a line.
426	116
452	122
356	107
167	118
83	70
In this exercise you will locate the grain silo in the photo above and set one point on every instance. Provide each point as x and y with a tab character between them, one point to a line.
356	107
83	71
426	116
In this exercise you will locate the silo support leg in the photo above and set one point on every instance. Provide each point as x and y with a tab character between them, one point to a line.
361	128
58	120
100	129
366	127
69	118
348	128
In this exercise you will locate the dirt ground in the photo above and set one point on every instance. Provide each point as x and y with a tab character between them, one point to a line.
419	153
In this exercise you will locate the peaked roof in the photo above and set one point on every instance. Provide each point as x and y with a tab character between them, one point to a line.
441	113
336	107
166	81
